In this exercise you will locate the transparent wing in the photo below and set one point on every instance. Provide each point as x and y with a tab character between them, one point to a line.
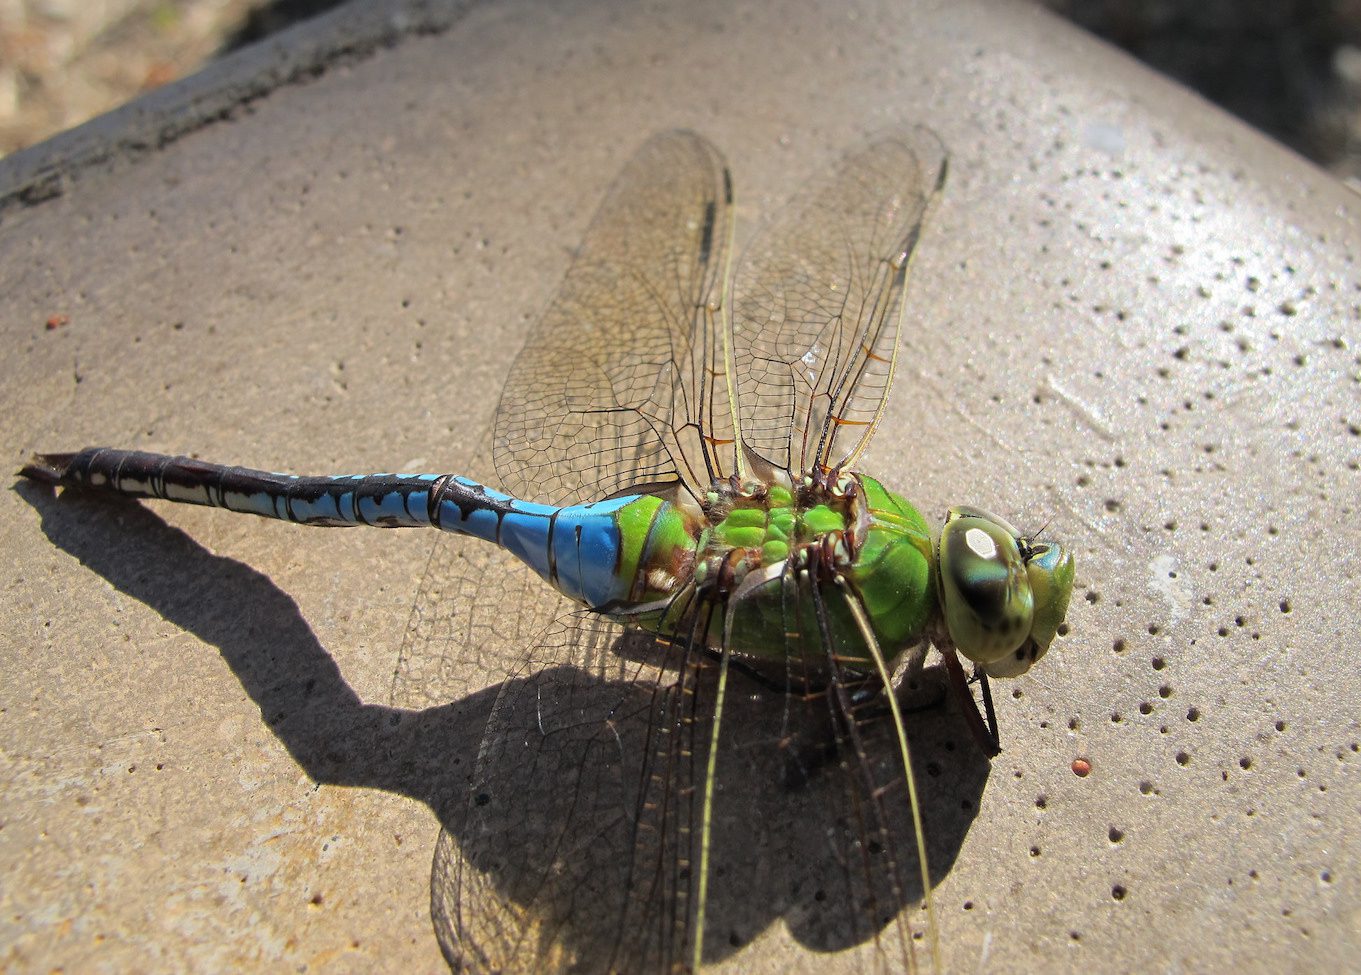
616	385
572	852
612	390
578	847
566	851
476	615
819	299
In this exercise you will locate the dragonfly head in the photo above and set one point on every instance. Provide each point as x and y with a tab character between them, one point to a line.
1003	594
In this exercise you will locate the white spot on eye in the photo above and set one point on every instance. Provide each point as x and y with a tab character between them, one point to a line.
981	543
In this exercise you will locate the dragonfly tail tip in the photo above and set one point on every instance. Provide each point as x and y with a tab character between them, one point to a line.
46	468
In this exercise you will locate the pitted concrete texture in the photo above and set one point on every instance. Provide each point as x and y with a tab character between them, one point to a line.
1131	318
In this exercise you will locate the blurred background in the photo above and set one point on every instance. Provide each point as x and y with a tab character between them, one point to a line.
1289	67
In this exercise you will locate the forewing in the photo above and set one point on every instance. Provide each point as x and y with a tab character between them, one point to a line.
621	383
819	300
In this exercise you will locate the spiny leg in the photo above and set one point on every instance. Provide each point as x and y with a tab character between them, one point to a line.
905	754
984	732
706	816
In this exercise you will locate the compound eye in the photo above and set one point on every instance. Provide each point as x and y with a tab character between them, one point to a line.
985	591
1050	571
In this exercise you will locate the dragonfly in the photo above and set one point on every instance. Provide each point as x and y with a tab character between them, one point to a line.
735	611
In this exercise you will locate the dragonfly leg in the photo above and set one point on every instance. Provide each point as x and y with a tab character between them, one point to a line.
991	715
984	732
915	688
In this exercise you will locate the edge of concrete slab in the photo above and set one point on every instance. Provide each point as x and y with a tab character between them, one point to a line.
221	90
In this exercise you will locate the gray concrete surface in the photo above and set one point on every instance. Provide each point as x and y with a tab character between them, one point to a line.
1132	318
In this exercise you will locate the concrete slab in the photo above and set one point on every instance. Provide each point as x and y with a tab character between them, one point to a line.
1132	318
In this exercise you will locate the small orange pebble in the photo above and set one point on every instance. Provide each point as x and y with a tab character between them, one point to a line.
1082	768
56	321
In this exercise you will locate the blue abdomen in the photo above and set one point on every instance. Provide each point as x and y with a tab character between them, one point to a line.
579	549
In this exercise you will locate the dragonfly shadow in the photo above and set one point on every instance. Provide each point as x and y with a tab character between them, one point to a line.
790	841
260	633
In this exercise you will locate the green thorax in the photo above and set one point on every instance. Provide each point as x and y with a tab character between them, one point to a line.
753	555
